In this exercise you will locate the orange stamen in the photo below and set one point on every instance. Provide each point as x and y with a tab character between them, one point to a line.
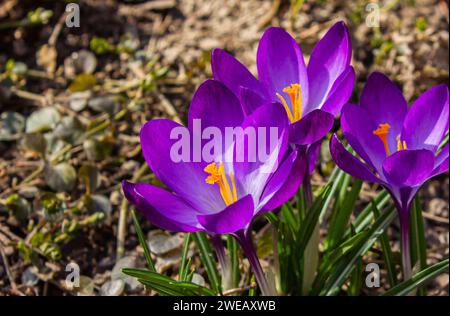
295	95
382	132
218	176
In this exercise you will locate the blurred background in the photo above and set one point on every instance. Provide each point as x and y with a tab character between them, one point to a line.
78	79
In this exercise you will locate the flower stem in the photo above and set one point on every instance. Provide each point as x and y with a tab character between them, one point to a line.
405	245
246	243
311	251
307	190
224	262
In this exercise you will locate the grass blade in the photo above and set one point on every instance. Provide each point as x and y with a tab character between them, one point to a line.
387	251
313	215
184	265
341	269
356	279
419	279
166	285
207	259
143	242
232	247
365	217
342	212
418	242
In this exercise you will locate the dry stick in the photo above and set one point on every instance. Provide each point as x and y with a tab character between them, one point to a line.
239	289
57	29
435	218
123	215
139	9
41	168
8	272
168	107
267	18
6	7
29	96
5	230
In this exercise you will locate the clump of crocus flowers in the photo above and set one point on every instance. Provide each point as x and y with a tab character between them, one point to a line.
223	194
399	145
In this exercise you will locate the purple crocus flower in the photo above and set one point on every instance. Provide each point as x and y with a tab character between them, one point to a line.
399	145
311	95
221	196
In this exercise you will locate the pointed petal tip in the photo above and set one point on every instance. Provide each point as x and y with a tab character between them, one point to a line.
275	30
349	163
441	88
377	75
234	217
127	187
341	26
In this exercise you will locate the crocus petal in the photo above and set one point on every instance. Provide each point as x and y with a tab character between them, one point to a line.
385	103
311	128
257	157
402	197
250	100
358	127
290	174
234	217
162	208
427	120
441	162
340	93
329	59
232	73
408	167
187	179
280	63
215	105
313	154
349	163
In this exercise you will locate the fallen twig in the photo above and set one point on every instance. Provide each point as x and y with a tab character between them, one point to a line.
123	215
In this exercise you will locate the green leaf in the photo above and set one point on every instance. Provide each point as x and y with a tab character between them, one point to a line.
109	104
418	242
232	247
35	142
184	265
19	207
82	82
100	45
356	279
365	217
96	203
90	176
419	279
289	217
444	141
312	217
42	120
166	285
207	259
339	271
342	211
143	242
11	125
69	129
335	180
272	218
387	252
61	177
52	206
